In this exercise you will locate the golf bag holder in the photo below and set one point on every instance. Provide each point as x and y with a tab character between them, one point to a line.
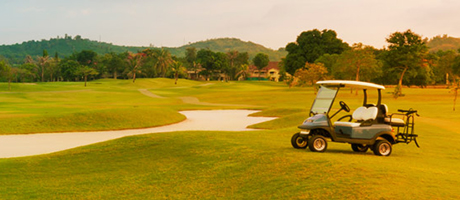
406	134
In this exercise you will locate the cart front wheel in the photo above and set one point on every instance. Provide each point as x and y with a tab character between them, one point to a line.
299	142
317	143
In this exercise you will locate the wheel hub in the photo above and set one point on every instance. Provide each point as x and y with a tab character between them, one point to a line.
319	144
384	149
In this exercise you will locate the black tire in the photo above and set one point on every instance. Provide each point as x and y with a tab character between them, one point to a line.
299	142
382	148
359	148
317	143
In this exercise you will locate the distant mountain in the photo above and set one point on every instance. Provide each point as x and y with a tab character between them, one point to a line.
443	43
67	45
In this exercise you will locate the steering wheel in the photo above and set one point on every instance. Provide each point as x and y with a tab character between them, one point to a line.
344	106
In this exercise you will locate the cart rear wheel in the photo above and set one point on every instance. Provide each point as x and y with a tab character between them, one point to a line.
317	143
382	148
359	148
299	142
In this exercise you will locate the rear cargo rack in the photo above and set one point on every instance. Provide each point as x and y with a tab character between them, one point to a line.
406	134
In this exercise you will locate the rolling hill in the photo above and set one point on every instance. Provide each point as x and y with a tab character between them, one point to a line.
66	46
443	43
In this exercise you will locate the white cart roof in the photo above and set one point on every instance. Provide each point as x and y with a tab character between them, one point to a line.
353	84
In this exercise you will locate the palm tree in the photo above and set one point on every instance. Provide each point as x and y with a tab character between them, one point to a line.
231	56
42	62
135	62
243	72
164	60
176	67
85	71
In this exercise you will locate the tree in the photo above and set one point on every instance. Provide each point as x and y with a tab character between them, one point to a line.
231	57
406	51
456	78
53	66
211	61
190	57
115	63
86	57
135	63
28	72
236	63
309	74
177	68
6	71
85	71
150	61
260	61
328	61
68	69
309	46
221	63
31	66
164	60
43	62
357	63
445	65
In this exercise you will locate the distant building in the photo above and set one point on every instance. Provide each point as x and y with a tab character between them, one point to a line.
270	72
194	74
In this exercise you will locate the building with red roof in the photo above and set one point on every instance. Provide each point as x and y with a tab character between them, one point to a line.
270	72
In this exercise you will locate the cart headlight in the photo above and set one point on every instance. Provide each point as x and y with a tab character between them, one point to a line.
308	121
304	131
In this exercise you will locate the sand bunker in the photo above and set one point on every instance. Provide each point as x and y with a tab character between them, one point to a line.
42	143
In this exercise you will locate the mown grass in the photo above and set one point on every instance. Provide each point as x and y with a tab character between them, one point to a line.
247	165
103	105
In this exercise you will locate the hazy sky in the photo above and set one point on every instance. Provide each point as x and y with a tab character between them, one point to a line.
272	23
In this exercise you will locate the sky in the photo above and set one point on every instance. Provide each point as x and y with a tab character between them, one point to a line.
271	23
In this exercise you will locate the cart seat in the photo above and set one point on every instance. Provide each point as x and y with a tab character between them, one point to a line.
364	127
395	121
360	114
347	124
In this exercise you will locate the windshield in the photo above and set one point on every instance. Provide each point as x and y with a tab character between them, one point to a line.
324	100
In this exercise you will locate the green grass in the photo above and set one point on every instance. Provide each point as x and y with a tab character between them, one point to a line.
231	165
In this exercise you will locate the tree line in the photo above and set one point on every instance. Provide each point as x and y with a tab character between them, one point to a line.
148	63
314	55
406	60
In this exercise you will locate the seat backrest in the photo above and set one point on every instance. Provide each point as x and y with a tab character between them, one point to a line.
384	109
363	113
371	113
358	113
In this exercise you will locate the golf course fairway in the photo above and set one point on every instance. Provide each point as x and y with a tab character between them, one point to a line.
212	164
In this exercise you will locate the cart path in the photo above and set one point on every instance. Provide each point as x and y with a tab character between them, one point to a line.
193	100
43	143
146	92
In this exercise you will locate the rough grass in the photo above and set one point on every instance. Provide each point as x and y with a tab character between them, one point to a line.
247	165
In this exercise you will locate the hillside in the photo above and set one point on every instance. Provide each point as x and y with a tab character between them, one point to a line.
228	44
63	46
443	43
67	45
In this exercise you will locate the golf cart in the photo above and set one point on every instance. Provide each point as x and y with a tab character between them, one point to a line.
370	125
